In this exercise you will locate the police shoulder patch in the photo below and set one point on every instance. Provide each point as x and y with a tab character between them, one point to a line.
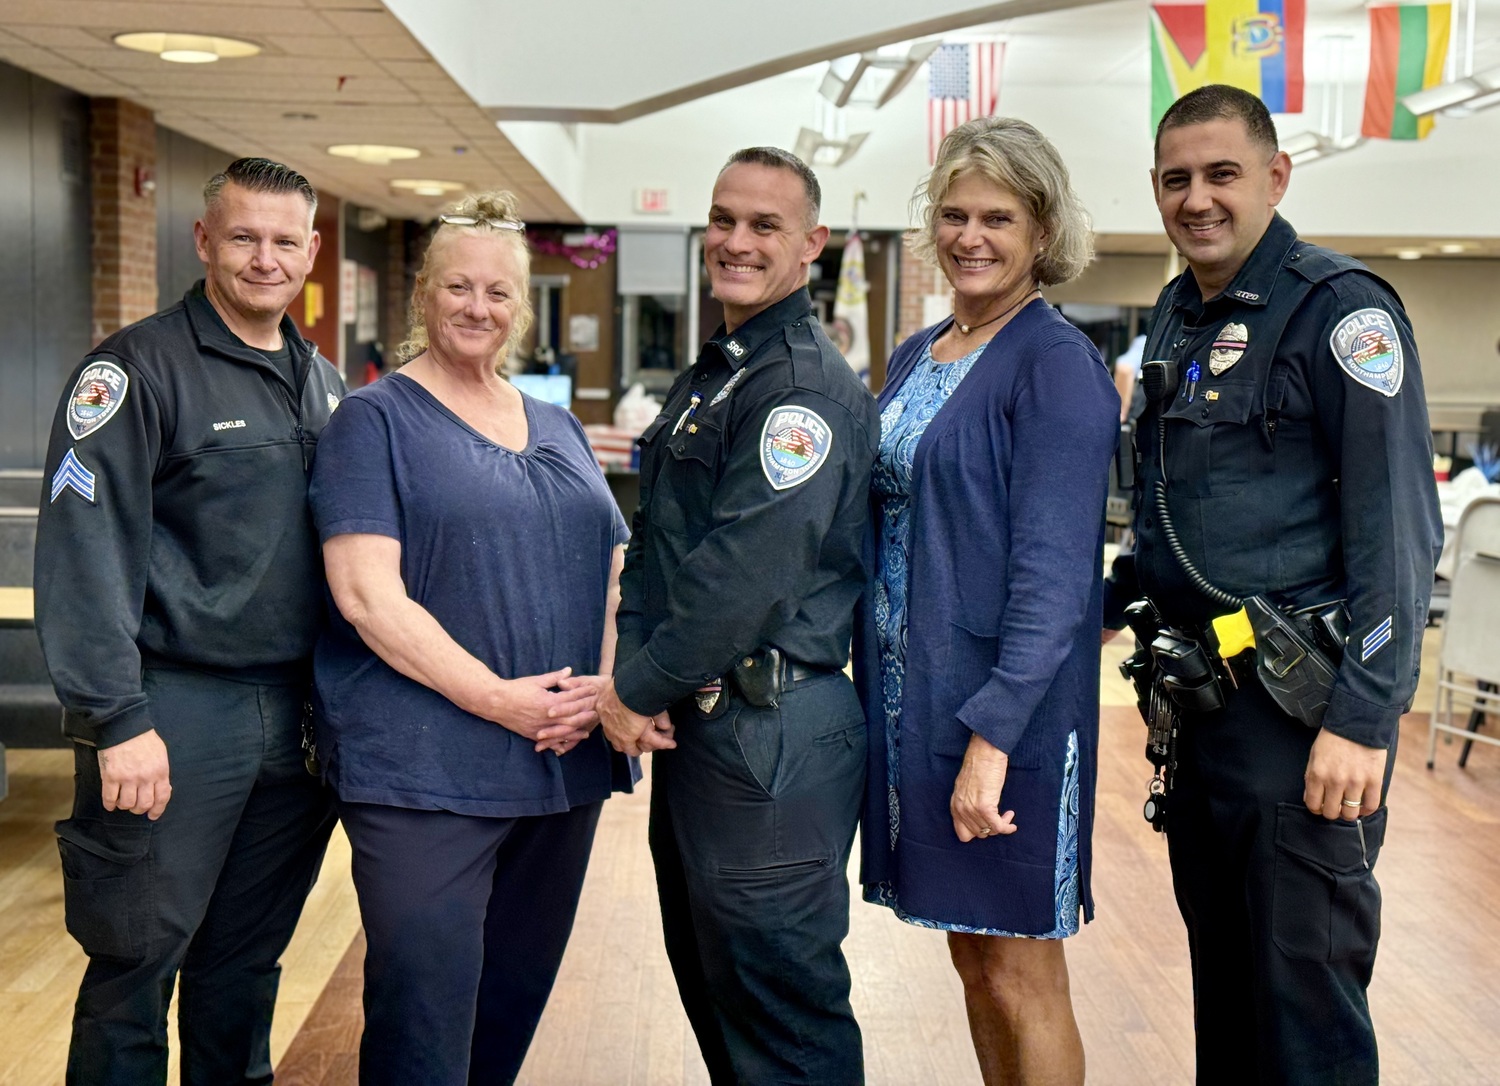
794	444
1368	349
96	397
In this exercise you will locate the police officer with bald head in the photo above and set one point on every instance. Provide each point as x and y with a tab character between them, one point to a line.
738	595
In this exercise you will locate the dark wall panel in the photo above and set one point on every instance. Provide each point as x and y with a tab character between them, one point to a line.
183	166
45	307
17	330
60	183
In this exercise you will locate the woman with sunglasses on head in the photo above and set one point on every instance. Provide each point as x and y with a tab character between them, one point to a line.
473	554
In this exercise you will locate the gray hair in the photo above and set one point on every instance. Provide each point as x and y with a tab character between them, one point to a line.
1013	155
260	175
777	159
488	208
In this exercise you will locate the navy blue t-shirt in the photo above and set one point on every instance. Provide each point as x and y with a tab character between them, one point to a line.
510	552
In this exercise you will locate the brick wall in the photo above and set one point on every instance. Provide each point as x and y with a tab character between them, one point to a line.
123	139
917	279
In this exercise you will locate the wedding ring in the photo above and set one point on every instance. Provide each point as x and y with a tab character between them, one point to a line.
1353	803
984	832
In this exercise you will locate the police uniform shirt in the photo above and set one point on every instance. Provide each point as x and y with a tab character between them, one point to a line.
176	529
1300	465
754	497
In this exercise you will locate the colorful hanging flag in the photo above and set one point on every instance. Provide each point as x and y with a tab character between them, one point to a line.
1408	48
1252	44
963	82
851	313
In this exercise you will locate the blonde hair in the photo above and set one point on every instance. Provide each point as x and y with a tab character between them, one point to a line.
1014	155
489	207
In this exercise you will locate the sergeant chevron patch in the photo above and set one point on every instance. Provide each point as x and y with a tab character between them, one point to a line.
72	475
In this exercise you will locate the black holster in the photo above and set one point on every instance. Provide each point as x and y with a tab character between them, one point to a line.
1297	655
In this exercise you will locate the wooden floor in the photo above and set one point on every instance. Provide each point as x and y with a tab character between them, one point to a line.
614	1017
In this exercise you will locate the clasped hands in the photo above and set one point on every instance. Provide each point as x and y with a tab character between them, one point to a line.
630	732
556	711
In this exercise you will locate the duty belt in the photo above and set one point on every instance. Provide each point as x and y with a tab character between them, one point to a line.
760	678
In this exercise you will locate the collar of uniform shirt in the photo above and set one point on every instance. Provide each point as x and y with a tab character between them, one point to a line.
761	327
1252	283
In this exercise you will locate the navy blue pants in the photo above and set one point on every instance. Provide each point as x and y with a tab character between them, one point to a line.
752	819
213	888
1283	915
466	919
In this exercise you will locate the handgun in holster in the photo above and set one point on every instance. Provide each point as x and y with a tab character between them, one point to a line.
1297	656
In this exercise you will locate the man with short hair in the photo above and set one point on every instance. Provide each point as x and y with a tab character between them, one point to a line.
179	591
1286	467
735	621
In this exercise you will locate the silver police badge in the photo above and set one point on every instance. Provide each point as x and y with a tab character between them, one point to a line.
96	397
794	444
1228	347
1368	349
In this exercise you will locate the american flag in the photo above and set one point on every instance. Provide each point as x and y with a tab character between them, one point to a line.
963	82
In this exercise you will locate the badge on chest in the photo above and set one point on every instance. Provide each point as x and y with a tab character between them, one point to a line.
1229	347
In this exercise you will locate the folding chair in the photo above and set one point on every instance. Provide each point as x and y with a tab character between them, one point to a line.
1469	660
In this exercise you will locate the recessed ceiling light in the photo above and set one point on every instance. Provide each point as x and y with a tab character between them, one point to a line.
423	186
1452	247
373	154
186	48
1408	254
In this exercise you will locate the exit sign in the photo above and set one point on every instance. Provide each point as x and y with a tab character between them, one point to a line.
651	201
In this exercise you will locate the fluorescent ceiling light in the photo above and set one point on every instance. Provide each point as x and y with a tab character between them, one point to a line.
373	154
423	186
1473	105
816	149
1307	147
1480	85
186	48
839	89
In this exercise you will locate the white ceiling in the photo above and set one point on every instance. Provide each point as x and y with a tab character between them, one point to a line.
433	74
392	91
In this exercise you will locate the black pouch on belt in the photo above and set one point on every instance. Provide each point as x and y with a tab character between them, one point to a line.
761	677
1187	672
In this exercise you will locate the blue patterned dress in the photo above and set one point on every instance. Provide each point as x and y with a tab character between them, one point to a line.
902	424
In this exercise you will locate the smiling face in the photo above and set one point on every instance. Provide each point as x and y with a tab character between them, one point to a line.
987	243
475	283
258	248
1217	191
758	244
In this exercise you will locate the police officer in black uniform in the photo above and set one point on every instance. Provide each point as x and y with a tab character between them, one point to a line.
738	593
1286	459
178	596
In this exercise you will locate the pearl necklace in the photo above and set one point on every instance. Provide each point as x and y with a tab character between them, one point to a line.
967	328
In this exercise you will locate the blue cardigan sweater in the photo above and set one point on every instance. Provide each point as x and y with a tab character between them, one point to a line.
1004	613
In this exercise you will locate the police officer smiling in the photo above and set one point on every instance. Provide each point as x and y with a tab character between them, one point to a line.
735	620
1285	461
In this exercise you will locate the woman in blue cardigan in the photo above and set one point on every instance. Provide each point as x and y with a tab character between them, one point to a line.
979	645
